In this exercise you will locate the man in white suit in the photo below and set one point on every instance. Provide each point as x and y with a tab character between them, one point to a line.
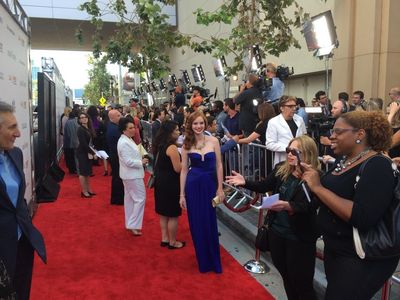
284	127
131	172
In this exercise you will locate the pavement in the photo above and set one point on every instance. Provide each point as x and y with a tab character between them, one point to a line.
238	232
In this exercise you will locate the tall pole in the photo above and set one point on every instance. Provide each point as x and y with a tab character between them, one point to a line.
327	75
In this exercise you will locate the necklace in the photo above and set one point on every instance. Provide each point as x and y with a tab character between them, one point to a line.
201	145
342	165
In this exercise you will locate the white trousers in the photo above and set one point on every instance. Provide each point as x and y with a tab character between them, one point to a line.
134	201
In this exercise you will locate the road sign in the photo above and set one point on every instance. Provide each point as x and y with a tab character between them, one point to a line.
102	101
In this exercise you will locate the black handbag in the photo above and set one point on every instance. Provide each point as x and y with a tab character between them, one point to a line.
383	240
152	178
262	242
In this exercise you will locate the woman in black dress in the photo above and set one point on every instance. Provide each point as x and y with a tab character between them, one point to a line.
356	137
85	154
166	189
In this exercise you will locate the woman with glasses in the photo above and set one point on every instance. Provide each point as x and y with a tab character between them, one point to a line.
356	137
292	230
85	154
284	127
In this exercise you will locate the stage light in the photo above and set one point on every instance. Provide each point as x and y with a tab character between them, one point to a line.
218	67
154	86
186	78
256	62
198	74
320	34
148	89
162	85
47	64
172	79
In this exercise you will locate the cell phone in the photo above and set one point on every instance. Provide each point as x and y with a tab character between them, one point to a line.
298	155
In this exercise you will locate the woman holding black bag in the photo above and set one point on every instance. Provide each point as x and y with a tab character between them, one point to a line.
352	197
292	228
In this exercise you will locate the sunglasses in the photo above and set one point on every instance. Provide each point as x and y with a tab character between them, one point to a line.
292	151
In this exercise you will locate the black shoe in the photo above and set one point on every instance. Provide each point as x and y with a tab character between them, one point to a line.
92	194
105	173
172	247
164	244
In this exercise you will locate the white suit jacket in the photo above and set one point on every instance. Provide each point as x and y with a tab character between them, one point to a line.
130	160
278	135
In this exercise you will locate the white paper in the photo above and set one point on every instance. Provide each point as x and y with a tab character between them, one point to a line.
102	154
268	201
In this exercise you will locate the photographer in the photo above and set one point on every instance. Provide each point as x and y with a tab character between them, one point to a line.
196	99
276	90
179	97
248	92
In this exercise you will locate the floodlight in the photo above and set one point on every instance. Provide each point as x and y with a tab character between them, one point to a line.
154	86
198	74
256	62
185	77
320	34
47	64
148	89
218	67
172	79
162	85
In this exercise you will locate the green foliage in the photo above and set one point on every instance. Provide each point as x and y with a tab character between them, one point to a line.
141	38
262	22
99	81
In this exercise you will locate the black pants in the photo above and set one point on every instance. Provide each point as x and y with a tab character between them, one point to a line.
69	155
23	271
117	187
295	261
353	278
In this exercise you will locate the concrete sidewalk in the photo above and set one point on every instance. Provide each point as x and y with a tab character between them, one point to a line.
244	227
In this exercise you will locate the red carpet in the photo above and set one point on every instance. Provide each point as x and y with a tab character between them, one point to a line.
92	256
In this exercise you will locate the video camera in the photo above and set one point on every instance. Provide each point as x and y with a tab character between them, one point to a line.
282	72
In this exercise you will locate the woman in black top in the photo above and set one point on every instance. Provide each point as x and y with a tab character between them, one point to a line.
166	189
292	219
85	154
356	136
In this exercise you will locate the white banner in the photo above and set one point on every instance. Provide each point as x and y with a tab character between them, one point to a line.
15	85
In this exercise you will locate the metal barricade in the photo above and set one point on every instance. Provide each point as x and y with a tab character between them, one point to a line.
254	162
147	134
395	279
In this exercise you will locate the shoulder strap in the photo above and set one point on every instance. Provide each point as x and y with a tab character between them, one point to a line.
395	172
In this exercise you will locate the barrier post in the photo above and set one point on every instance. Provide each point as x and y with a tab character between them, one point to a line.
255	265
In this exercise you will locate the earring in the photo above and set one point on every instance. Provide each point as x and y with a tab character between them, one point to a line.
358	141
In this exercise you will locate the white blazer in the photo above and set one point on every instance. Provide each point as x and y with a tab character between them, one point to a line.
130	160
278	135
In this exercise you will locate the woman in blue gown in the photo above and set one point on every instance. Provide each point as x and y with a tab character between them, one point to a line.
201	181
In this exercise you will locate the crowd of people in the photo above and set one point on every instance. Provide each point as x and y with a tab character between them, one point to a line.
187	148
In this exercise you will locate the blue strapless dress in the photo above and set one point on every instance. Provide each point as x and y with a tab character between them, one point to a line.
200	189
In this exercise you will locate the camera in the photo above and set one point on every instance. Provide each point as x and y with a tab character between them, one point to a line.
283	72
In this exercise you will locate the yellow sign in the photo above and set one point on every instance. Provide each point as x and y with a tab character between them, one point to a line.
102	101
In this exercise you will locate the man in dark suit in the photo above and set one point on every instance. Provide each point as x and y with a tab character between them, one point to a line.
18	237
112	136
159	116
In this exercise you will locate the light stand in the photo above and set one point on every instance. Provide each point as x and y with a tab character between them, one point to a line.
320	35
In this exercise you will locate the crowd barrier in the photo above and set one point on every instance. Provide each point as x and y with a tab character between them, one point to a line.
254	162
